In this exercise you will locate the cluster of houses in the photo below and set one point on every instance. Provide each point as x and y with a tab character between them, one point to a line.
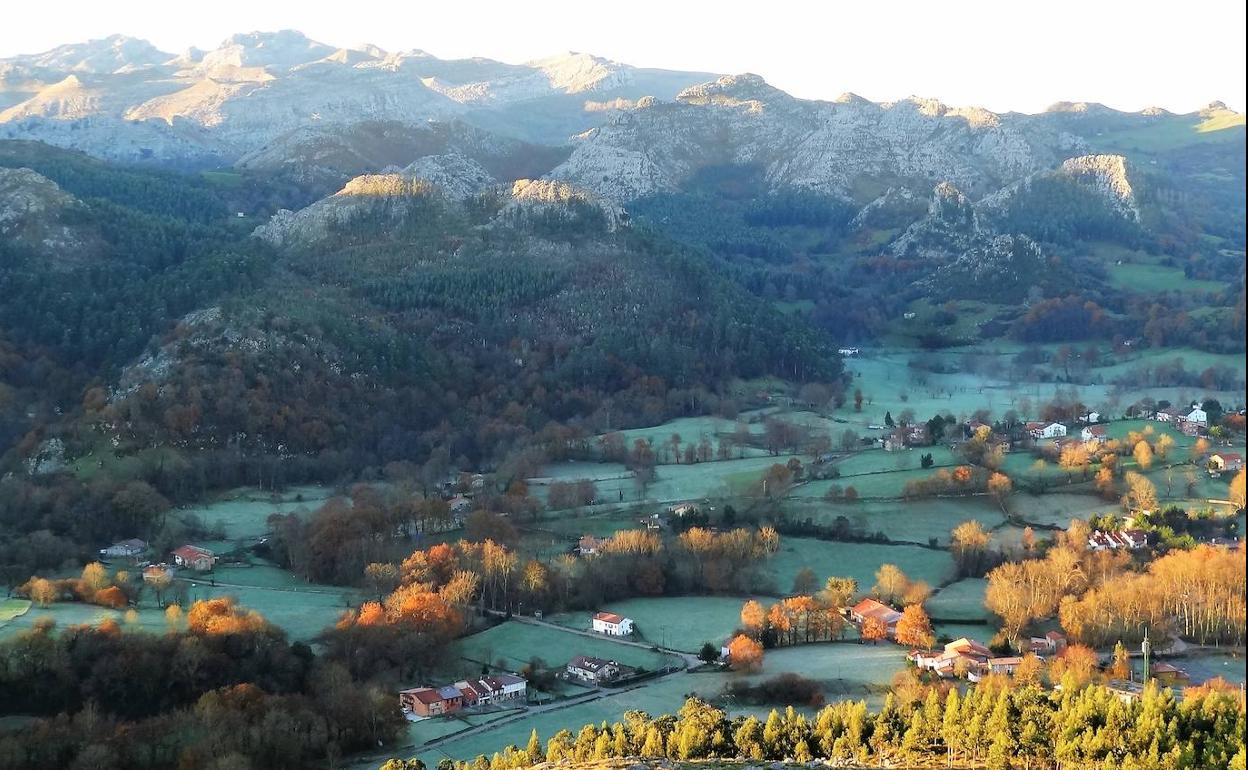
467	693
191	557
969	658
1189	423
1128	539
906	436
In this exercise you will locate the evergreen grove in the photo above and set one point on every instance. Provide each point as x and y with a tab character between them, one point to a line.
990	726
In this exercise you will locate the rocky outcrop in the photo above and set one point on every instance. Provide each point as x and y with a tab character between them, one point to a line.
822	146
453	174
36	212
534	197
950	227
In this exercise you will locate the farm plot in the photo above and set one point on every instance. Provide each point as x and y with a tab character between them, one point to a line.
66	614
663	696
1202	666
847	670
980	632
243	513
877	460
514	643
302	609
1056	509
909	521
692	482
857	560
677	622
963	600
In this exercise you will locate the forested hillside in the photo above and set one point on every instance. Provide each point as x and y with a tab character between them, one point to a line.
415	328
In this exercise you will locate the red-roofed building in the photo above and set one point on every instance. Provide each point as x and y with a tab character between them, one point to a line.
1224	462
1097	433
612	624
194	557
870	608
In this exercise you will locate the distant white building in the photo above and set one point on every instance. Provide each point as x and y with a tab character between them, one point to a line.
1046	430
1198	416
612	624
124	549
849	352
1096	433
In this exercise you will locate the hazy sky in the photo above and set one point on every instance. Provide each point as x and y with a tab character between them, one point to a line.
1004	55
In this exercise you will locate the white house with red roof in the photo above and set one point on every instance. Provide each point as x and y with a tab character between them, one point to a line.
194	557
1039	430
1224	462
612	624
1097	433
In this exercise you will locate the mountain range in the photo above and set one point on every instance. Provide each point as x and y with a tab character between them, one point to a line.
288	249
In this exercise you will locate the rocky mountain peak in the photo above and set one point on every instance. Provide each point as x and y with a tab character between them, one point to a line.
1107	174
33	211
731	90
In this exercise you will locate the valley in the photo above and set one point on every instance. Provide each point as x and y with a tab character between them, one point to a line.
359	404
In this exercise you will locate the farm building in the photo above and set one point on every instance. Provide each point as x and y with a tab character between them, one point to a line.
1129	539
589	545
1198	416
154	572
1052	642
870	608
1096	433
194	557
1224	462
492	689
124	549
1039	430
1169	414
429	702
595	670
612	624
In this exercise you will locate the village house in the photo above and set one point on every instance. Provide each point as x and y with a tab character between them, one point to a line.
1090	417
595	670
1166	674
1130	539
1051	643
1168	414
1198	416
683	509
154	572
870	608
1094	433
492	689
1039	430
959	655
1188	427
430	702
588	545
611	624
1003	665
1224	462
124	549
460	504
194	557
849	352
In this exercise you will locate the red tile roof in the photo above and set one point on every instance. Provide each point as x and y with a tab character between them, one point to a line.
609	617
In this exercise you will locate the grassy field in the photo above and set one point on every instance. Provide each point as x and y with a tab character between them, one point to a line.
857	560
515	643
963	600
847	671
1151	278
980	632
913	521
242	513
677	622
1205	665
